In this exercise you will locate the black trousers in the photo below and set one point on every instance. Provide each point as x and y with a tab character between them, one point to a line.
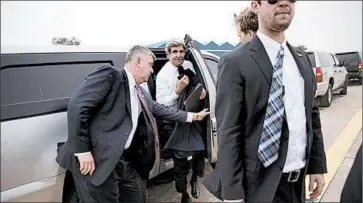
123	185
290	191
181	170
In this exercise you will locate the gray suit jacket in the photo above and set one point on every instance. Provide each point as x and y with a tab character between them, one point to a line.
99	120
244	81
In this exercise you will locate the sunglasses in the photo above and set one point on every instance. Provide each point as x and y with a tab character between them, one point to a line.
275	1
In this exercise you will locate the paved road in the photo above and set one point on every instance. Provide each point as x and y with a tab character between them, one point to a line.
334	119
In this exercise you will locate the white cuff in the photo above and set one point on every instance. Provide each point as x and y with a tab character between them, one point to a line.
237	200
79	154
174	95
190	117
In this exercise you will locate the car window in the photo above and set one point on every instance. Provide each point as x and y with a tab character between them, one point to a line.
311	58
36	89
213	68
325	59
348	57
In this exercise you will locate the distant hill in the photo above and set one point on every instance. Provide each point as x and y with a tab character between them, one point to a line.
210	46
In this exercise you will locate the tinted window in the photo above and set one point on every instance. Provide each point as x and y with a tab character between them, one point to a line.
348	57
37	89
311	58
326	59
213	67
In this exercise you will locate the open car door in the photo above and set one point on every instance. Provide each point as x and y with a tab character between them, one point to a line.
211	136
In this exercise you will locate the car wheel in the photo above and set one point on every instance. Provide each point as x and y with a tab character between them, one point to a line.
344	91
360	80
326	100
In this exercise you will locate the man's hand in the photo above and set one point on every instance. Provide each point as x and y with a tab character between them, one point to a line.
87	163
319	180
203	94
182	84
200	116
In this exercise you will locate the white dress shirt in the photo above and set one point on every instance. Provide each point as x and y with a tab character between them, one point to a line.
145	86
167	81
294	100
136	110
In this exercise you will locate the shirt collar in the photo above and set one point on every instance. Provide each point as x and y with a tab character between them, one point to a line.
270	44
172	68
132	81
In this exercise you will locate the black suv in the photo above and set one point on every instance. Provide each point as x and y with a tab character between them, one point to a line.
353	62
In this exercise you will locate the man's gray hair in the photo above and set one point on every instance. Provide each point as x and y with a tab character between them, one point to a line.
173	43
137	50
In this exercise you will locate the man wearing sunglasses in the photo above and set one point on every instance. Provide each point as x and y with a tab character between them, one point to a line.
268	126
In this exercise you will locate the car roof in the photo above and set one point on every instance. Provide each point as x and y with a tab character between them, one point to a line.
316	51
18	49
349	52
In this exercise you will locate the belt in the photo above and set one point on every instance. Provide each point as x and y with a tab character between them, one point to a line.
293	176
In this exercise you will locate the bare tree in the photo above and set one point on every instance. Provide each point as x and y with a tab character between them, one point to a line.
302	47
73	41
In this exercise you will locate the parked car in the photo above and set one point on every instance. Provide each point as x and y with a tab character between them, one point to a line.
353	61
331	76
36	86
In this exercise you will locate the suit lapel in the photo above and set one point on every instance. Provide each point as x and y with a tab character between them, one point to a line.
261	58
127	92
299	59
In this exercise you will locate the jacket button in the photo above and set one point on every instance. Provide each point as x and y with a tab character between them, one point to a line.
281	168
285	137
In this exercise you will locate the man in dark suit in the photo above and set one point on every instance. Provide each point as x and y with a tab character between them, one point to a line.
112	133
352	190
269	131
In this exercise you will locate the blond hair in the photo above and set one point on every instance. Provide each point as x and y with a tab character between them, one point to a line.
247	20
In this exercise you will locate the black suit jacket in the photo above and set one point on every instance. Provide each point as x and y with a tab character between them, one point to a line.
99	120
352	190
244	81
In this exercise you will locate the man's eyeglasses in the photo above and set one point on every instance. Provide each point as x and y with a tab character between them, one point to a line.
275	1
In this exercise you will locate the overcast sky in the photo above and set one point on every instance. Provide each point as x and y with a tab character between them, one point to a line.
327	26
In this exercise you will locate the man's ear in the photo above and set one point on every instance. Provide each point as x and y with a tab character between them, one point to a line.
254	6
138	62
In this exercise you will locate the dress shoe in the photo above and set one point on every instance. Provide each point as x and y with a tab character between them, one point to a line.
195	189
186	198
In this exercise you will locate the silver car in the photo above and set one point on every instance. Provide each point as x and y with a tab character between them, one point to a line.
36	84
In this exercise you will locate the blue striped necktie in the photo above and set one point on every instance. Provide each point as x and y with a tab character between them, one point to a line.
268	149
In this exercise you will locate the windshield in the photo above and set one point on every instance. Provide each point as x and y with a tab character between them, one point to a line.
354	56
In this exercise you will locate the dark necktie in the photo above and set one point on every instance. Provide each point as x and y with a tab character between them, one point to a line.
181	70
149	115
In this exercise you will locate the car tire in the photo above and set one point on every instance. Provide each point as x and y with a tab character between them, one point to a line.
326	100
344	91
360	80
